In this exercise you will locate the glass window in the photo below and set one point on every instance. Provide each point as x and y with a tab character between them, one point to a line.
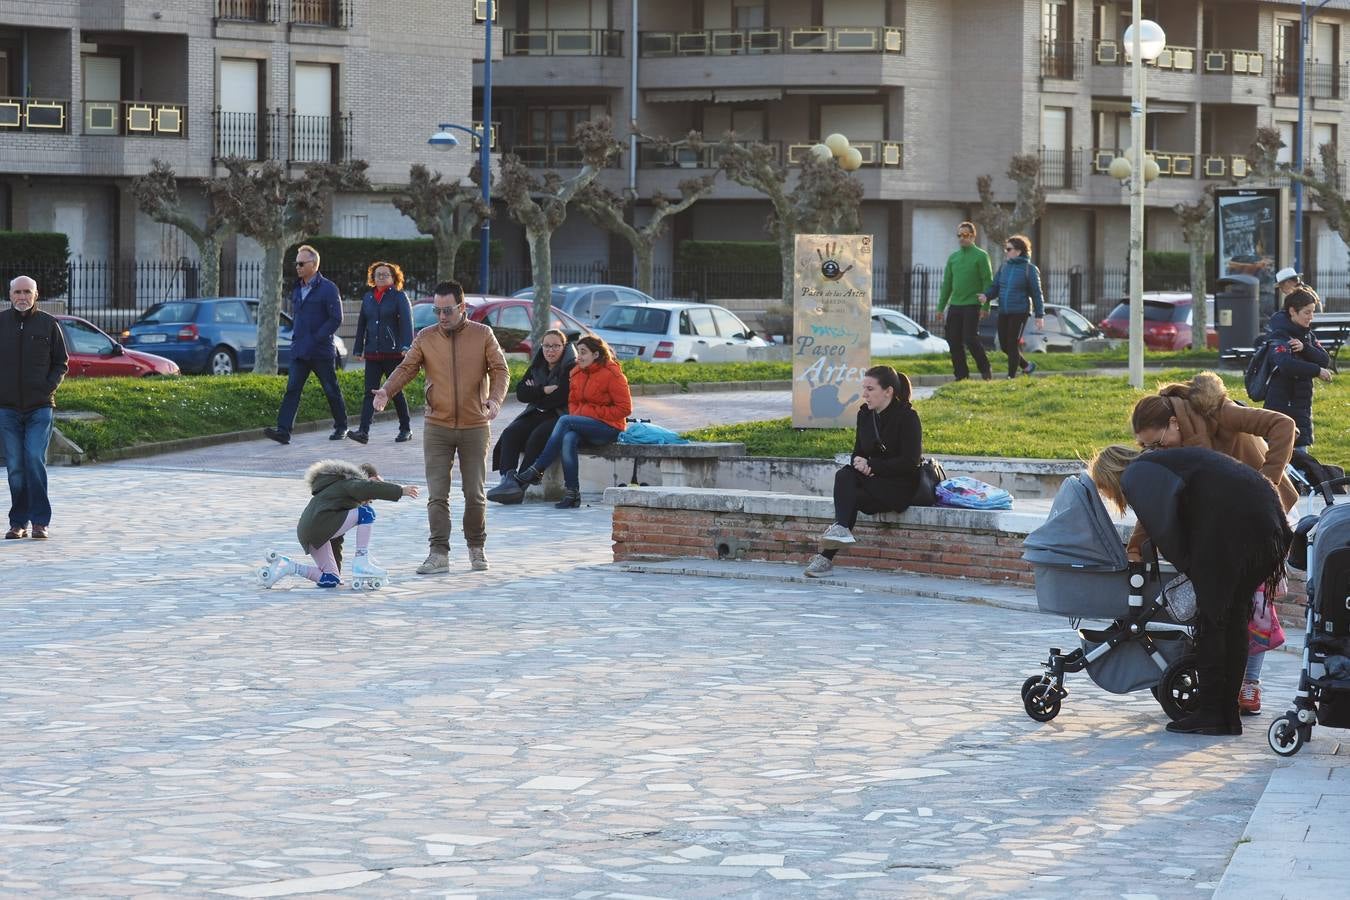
702	320
230	313
514	317
899	326
84	338
640	319
686	327
879	325
168	313
601	300
1074	323
728	325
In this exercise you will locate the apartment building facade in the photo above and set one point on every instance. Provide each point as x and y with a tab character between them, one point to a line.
935	93
91	91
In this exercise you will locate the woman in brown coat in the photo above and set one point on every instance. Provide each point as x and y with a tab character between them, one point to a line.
1199	413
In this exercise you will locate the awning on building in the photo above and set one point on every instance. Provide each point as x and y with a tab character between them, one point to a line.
677	96
746	95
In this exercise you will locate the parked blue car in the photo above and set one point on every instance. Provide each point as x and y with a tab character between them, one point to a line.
216	336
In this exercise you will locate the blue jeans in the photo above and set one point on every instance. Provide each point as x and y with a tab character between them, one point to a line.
567	434
26	436
295	383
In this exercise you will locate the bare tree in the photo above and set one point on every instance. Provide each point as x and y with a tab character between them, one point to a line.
824	200
606	209
540	205
447	211
999	222
267	204
156	195
1327	190
1197	229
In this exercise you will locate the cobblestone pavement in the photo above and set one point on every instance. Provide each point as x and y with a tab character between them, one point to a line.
552	727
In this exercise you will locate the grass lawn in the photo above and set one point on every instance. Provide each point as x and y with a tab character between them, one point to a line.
1055	417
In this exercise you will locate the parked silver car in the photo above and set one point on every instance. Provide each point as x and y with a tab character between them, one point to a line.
896	334
673	331
588	302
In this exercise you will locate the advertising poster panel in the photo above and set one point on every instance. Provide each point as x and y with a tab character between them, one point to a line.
832	319
1250	233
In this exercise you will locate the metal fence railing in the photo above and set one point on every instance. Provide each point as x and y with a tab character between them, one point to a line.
113	294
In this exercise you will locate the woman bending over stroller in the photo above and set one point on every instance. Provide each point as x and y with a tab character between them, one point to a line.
1199	413
884	472
1220	523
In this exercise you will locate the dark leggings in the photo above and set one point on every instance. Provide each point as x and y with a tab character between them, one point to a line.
855	492
376	371
526	435
1010	329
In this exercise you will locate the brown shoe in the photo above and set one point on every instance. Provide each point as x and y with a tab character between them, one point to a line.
18	531
39	532
1249	697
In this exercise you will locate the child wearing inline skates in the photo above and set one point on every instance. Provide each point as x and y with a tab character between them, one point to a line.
340	503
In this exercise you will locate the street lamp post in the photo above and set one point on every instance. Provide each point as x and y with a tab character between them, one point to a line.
1144	40
444	140
1304	15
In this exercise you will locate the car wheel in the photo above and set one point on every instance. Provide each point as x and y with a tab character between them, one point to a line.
221	362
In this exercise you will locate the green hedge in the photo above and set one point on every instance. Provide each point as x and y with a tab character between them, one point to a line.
345	260
720	269
1170	270
39	254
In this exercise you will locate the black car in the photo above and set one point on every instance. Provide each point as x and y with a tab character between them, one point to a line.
1065	330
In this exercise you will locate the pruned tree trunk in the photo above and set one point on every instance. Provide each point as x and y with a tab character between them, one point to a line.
1197	224
1199	313
269	309
447	243
642	255
208	276
541	267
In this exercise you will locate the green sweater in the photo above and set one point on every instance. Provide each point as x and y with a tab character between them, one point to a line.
967	274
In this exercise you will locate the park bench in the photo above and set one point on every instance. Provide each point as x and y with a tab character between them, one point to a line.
682	465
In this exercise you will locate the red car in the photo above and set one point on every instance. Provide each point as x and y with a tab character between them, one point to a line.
95	355
1167	322
509	318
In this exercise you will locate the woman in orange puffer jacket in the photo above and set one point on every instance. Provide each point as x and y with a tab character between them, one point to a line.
598	402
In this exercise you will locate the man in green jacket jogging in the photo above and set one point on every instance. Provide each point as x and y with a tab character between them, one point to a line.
967	274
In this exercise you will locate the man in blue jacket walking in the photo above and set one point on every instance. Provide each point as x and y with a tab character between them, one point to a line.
316	308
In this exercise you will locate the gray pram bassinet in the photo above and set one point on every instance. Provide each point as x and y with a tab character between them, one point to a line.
1082	572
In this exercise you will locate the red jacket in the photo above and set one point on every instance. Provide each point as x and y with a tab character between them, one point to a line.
600	391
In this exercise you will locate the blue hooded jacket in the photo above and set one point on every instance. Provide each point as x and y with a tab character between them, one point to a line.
1016	284
1291	383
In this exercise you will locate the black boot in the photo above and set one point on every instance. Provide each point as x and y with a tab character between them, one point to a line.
571	500
509	490
528	475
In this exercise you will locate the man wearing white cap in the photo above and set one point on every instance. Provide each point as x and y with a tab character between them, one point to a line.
1287	281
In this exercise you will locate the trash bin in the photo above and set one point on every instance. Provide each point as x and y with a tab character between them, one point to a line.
1237	311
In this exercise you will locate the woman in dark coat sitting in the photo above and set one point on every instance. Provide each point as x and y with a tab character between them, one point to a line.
884	472
1298	359
543	390
1221	523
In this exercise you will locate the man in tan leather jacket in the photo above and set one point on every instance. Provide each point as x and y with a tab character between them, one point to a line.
465	385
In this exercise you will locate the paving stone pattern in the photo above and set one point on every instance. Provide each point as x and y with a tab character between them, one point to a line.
553	727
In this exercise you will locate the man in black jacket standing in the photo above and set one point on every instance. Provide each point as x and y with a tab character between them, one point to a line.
32	364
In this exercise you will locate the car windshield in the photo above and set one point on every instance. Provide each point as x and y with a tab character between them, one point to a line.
1075	324
1154	311
640	319
166	313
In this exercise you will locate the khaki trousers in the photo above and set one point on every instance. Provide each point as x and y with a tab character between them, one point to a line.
439	448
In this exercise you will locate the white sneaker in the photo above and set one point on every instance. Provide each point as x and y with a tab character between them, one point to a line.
838	534
435	564
818	566
478	559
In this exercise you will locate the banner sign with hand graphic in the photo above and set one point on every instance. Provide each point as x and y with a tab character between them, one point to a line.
832	328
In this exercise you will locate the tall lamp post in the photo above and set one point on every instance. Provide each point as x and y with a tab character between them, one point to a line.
1144	40
1304	15
444	140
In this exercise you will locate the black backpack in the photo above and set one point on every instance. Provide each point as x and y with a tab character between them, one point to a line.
1259	369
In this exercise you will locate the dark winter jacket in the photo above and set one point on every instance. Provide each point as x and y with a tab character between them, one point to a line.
1291	382
384	329
337	488
892	443
1215	519
1016	287
33	359
317	318
530	390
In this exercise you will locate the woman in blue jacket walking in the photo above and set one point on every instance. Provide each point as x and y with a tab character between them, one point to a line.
1298	359
383	334
1016	286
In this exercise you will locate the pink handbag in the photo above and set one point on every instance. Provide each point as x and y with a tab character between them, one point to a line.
1264	631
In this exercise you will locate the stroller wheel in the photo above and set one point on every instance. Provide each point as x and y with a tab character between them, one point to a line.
1178	690
1031	683
1042	702
1286	736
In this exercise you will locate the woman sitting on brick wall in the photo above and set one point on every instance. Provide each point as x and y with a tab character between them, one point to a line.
884	472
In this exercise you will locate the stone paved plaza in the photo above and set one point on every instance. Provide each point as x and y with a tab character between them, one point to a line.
554	727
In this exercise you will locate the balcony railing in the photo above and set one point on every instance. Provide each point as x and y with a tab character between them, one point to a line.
1061	59
676	156
134	118
1173	59
320	138
1233	62
1061	169
34	114
887	154
252	136
481	8
1333	175
1219	165
1170	165
753	41
325	13
247	10
1321	80
562	42
554	156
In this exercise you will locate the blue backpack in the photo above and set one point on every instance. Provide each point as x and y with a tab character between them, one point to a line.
647	433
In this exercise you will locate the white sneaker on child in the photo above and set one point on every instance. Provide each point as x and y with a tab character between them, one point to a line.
818	566
838	534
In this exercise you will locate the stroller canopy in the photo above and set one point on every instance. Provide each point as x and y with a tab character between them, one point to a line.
1079	532
1333	533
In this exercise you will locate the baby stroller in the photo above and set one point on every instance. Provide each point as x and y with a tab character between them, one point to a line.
1082	572
1321	547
